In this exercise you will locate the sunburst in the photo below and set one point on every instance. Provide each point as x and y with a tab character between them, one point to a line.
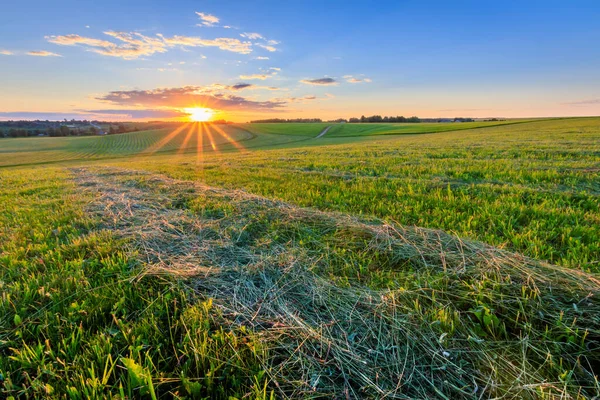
182	138
200	114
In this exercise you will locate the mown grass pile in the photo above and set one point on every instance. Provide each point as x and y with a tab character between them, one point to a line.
77	323
532	188
348	307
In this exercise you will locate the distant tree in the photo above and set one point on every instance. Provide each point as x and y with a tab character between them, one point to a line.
93	130
122	128
18	133
282	120
111	130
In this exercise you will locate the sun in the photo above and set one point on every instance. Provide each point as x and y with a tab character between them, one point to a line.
198	114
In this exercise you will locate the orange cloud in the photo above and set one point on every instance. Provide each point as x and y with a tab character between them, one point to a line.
135	45
43	53
188	96
207	19
266	47
353	79
228	44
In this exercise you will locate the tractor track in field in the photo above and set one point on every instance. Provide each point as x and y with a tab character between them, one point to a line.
324	132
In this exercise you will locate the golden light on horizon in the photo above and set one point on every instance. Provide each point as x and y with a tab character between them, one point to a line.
200	114
199	136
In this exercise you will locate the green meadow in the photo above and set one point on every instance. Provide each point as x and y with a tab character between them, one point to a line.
256	261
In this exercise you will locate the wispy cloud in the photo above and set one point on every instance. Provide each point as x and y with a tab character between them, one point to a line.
266	47
252	77
304	99
134	45
271	72
320	81
251	35
240	86
6	53
356	79
261	58
250	86
109	114
207	19
228	44
463	109
583	102
263	42
136	114
185	96
69	40
43	53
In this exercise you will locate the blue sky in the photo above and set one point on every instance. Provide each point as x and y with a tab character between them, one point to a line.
328	59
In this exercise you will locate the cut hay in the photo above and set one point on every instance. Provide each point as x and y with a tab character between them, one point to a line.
356	308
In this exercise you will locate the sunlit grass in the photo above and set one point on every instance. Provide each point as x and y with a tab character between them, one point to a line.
117	282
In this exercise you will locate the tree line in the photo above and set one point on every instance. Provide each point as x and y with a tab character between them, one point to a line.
17	129
363	119
379	118
283	120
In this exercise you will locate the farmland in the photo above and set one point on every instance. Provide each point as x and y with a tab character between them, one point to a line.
413	260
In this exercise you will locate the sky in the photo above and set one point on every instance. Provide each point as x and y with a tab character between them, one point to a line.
156	60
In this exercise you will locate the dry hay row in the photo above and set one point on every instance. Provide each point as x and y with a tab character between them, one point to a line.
424	339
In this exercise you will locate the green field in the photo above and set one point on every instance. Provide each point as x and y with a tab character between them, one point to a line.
346	130
293	129
46	149
381	260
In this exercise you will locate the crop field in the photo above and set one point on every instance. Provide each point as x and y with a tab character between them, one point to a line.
293	129
377	261
186	137
368	129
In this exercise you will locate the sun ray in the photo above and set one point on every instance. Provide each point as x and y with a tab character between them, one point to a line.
212	141
200	151
200	144
229	138
187	138
160	144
